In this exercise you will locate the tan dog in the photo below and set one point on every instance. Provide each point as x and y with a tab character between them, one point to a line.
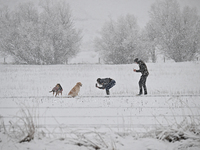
75	90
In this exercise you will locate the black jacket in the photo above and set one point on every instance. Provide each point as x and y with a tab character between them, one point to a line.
104	82
143	68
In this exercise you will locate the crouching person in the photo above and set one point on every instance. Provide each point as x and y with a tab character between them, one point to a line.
105	83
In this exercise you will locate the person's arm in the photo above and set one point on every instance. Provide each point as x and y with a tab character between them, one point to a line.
137	70
141	68
100	87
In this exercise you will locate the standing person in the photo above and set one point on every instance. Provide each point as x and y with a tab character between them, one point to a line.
105	83
143	69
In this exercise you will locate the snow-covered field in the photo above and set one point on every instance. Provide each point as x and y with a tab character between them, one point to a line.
92	120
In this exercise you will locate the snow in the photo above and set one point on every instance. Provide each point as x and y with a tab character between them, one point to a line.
121	121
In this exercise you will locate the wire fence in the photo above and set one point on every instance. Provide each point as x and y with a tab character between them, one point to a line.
119	114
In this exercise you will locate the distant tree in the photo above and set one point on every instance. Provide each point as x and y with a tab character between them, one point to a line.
4	28
146	47
151	41
119	41
40	37
174	30
190	32
61	39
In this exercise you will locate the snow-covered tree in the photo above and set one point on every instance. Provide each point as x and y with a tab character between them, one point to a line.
5	24
119	41
61	39
44	36
174	30
150	37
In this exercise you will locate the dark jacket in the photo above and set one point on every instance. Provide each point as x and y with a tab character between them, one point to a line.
104	82
143	68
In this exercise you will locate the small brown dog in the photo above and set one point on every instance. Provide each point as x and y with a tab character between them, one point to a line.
57	89
75	90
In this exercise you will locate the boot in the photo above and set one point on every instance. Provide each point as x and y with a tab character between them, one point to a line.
140	93
107	92
145	91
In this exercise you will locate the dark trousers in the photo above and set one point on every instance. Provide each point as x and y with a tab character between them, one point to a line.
142	84
110	85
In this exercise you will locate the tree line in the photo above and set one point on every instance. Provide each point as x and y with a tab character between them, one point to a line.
47	35
173	31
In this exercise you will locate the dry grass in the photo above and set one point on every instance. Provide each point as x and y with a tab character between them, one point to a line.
23	126
186	132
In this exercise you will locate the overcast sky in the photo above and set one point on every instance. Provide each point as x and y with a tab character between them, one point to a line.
103	9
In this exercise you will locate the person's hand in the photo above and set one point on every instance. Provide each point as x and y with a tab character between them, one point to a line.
96	85
134	70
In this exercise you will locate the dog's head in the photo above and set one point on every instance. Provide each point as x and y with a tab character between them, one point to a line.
79	83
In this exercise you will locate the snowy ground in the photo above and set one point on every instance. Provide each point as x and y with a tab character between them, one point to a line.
121	121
